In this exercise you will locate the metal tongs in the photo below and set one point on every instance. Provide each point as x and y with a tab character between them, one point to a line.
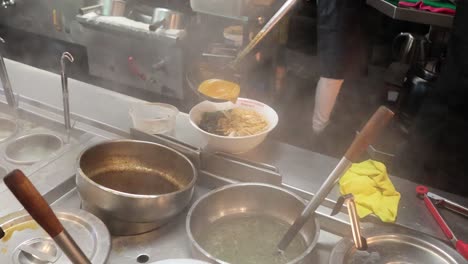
359	241
423	192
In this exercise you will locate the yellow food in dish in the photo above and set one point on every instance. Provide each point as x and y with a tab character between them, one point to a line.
235	122
220	89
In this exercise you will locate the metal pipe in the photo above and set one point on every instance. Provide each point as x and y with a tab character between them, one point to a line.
65	94
264	31
70	248
7	88
359	242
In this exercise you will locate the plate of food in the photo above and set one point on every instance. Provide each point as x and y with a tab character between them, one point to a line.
233	127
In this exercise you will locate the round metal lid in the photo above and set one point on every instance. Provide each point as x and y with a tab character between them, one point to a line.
25	242
396	247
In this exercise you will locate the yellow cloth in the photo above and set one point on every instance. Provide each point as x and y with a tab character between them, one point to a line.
372	189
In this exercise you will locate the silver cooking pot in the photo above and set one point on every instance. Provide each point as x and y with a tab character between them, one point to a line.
134	186
167	19
248	199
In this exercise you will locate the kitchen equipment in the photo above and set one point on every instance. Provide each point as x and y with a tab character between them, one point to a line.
8	128
134	186
284	9
232	144
154	118
250	200
118	7
40	211
88	9
32	148
65	94
359	241
450	205
391	244
2	233
371	130
180	261
230	9
461	246
412	48
7	88
167	19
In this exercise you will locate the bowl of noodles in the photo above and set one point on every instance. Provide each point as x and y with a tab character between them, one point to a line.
233	127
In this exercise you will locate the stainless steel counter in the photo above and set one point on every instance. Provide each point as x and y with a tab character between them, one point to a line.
299	168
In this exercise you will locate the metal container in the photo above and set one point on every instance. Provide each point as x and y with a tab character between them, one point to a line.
32	148
167	19
247	198
396	245
25	242
134	186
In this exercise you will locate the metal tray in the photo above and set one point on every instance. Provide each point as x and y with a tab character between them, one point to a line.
411	15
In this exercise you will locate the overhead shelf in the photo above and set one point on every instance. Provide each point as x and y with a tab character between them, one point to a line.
412	15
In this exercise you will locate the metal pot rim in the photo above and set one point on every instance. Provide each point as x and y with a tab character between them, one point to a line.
131	195
236	185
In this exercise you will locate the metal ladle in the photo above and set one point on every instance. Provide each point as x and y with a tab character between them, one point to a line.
65	95
40	211
284	9
373	127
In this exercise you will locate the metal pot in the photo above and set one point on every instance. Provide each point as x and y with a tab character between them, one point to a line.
134	186
247	199
167	19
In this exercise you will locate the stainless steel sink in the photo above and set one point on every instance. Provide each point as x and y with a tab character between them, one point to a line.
32	148
8	128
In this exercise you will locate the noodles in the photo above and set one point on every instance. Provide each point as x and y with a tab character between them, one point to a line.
235	122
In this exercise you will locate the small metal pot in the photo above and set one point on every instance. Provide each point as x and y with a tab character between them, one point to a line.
134	186
167	19
247	198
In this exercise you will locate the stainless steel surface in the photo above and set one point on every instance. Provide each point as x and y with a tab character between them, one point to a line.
455	207
395	245
65	94
25	242
318	198
247	198
70	248
32	148
8	127
264	31
7	88
412	49
134	186
167	19
412	15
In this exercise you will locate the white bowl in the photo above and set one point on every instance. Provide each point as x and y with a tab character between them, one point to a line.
233	144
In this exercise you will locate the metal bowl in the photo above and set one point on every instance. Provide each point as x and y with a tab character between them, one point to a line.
8	128
395	245
32	148
248	199
134	186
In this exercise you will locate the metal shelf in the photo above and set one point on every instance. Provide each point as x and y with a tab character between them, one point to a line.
412	15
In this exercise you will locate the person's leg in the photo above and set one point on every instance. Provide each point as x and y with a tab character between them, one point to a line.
325	96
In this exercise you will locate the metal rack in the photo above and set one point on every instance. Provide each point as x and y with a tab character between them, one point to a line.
412	15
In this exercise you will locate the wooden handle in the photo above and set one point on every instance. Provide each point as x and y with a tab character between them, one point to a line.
33	202
371	130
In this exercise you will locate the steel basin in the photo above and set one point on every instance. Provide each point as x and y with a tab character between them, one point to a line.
8	128
32	148
134	186
247	198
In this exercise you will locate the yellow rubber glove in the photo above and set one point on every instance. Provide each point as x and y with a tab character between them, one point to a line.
372	189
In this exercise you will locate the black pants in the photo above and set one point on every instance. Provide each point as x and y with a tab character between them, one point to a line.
338	21
437	150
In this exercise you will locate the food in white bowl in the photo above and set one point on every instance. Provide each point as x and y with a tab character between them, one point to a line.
233	133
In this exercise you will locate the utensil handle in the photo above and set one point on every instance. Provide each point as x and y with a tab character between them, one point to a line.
33	202
370	131
440	221
462	248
